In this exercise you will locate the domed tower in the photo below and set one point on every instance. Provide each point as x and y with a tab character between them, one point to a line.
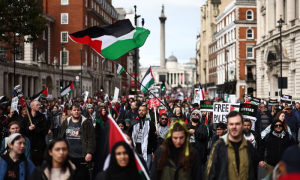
172	62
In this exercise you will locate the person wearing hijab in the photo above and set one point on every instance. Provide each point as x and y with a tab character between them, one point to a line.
176	158
273	145
122	125
103	117
122	164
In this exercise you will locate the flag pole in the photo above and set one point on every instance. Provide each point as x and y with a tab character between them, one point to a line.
149	92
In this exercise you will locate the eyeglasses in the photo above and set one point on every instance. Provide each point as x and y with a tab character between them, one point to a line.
164	119
195	114
278	125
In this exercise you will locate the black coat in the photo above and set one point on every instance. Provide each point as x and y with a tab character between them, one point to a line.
131	115
272	148
257	138
201	136
258	121
217	165
37	135
21	120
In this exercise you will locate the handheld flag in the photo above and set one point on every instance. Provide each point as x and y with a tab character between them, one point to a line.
67	89
43	93
119	68
112	41
200	92
111	135
147	81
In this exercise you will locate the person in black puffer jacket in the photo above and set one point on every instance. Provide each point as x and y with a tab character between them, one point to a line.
273	145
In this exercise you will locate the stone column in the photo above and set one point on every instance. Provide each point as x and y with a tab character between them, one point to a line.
25	86
173	79
183	78
279	9
3	84
270	15
31	93
6	84
162	19
291	10
20	82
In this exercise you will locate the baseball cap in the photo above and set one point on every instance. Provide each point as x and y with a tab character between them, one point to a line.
291	158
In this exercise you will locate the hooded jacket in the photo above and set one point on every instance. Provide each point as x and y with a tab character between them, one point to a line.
272	147
217	164
87	135
201	136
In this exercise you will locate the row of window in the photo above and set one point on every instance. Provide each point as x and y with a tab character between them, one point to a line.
231	17
18	56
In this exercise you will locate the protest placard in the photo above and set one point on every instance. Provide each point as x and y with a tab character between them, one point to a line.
154	102
206	106
255	101
14	104
273	102
196	96
220	110
249	111
154	91
286	99
116	94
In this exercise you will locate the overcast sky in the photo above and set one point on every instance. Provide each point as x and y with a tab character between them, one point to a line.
182	27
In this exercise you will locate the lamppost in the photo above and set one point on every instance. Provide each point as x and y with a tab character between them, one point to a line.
227	51
136	52
62	67
280	21
205	61
81	50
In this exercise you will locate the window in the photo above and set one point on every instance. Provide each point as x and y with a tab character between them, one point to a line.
86	20
250	34
36	54
64	2
44	34
18	53
86	3
92	59
64	36
64	18
92	4
92	22
65	59
2	52
250	53
249	15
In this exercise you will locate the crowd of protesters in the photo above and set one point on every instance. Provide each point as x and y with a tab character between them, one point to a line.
56	140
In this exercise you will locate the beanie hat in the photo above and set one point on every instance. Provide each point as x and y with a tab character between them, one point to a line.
90	106
198	111
128	120
291	158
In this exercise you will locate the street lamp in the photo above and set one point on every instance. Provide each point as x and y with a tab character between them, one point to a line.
136	51
227	51
280	21
62	67
81	50
205	61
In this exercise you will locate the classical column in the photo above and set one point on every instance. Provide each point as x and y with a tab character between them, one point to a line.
183	78
3	85
173	79
31	93
20	82
25	86
291	10
6	82
162	19
279	9
270	13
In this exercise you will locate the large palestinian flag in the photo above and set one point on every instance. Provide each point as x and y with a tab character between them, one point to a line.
111	135
147	81
67	89
112	41
43	93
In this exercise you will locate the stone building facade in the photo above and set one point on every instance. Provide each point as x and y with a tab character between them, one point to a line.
268	45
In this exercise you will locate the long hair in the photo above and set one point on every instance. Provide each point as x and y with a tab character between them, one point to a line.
181	116
48	158
284	122
184	160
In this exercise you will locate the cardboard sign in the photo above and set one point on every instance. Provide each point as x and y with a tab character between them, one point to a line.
286	99
154	102
232	98
273	102
20	95
116	94
196	96
221	110
14	104
86	94
256	101
179	96
162	107
154	92
130	96
249	111
206	106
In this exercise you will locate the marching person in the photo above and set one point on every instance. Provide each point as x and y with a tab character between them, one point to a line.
176	158
163	129
121	165
36	132
273	145
198	137
57	165
144	135
232	157
14	164
80	135
264	119
91	116
220	128
22	119
133	112
292	121
56	121
14	127
251	135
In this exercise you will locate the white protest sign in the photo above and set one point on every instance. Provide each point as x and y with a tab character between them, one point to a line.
116	94
14	104
86	94
221	110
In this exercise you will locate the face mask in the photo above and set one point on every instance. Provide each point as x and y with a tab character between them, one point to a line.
195	120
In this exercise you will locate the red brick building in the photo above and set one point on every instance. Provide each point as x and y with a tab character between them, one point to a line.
231	55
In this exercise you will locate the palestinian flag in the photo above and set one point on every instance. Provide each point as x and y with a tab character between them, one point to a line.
68	89
112	41
206	124
111	135
119	68
43	93
235	107
147	81
201	94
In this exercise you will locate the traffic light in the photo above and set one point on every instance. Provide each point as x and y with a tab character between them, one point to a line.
101	89
163	86
61	84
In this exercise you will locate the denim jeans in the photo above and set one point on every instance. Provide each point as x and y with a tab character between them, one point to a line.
294	136
149	160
